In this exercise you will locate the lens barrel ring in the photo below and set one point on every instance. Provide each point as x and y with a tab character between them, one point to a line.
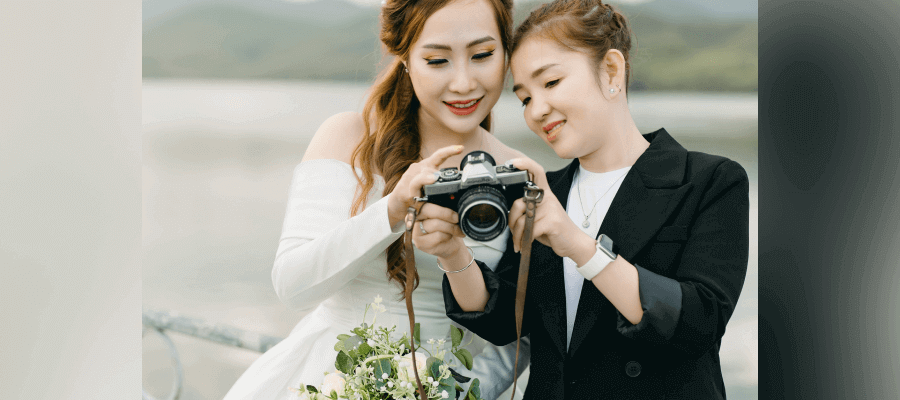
482	213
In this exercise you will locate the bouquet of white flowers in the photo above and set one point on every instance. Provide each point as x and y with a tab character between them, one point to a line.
372	365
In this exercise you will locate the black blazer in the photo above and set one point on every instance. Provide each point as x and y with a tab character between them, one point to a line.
682	218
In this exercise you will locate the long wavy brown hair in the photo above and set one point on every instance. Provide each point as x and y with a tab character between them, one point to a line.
588	26
392	143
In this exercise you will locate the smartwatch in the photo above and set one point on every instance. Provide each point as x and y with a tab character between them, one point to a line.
600	260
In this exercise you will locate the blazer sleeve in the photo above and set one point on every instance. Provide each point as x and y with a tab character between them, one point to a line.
497	323
690	311
322	248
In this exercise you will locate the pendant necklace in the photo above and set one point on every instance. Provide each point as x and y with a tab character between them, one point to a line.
586	222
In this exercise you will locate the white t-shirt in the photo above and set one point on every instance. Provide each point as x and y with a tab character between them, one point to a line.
595	188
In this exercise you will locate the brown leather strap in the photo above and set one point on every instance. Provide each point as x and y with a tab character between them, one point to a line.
533	195
410	260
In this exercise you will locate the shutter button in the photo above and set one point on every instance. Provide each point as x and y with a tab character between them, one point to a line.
633	369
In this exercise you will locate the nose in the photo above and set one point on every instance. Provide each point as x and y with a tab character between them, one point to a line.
539	109
462	81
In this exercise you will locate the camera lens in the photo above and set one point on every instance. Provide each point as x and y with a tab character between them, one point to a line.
483	213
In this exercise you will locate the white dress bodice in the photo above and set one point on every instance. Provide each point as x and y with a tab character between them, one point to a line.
332	265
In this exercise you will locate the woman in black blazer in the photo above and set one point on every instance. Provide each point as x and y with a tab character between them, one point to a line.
644	317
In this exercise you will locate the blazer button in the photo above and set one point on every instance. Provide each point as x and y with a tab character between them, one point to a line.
633	369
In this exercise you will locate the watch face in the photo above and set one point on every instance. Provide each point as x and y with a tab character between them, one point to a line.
605	244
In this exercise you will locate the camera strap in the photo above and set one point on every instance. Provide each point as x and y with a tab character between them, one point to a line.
533	195
410	258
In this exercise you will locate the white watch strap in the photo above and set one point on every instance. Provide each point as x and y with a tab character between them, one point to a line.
596	264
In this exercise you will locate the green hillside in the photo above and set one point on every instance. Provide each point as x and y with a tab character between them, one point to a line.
228	41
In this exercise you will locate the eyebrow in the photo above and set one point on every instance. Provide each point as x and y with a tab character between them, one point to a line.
472	43
534	74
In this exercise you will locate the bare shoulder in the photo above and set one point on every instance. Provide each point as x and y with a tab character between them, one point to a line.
336	138
501	152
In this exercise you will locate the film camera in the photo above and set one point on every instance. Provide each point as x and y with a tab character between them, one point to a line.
480	192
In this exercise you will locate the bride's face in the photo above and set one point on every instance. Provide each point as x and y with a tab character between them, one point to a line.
457	65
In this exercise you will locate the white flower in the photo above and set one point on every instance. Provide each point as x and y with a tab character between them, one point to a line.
377	299
371	343
444	394
435	383
384	376
390	384
333	382
397	357
406	363
430	379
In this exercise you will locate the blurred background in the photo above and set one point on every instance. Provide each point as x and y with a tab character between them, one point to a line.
234	90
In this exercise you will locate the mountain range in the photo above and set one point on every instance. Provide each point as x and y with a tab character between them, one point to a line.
680	44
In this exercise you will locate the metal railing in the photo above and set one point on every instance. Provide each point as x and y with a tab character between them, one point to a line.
160	321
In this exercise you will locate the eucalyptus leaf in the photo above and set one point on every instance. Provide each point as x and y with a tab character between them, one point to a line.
343	336
456	335
382	366
448	384
433	364
339	346
343	363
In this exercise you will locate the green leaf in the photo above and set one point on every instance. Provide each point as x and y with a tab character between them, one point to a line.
342	336
417	335
464	357
351	342
448	384
311	389
364	349
433	365
456	335
343	363
475	389
382	366
339	346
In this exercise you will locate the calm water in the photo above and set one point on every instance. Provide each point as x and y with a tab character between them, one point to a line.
217	162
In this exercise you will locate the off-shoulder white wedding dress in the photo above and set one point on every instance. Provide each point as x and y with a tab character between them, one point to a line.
334	265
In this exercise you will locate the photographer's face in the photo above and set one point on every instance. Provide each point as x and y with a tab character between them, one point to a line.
457	66
564	105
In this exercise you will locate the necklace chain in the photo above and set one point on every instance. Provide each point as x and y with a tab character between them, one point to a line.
587	223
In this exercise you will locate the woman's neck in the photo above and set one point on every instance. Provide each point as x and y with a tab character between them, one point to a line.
434	137
622	145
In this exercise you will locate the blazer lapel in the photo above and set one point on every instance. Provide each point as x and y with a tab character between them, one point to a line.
553	301
650	192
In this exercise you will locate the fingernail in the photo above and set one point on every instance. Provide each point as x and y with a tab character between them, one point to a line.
459	148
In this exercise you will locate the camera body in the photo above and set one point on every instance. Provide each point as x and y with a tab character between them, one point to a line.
480	192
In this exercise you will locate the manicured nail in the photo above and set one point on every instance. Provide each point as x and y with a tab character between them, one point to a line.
459	148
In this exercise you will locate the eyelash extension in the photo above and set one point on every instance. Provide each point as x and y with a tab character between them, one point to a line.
481	56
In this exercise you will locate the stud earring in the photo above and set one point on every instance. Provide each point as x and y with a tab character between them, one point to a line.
406	70
612	90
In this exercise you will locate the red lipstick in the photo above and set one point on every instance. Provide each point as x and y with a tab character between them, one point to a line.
455	108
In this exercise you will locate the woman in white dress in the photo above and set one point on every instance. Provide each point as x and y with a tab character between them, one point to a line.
339	246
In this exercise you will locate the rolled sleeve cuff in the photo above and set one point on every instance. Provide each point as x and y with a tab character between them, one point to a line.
475	321
661	302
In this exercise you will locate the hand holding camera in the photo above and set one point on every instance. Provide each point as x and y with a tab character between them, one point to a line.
552	225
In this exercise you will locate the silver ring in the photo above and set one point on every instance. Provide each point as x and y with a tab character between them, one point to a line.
422	227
